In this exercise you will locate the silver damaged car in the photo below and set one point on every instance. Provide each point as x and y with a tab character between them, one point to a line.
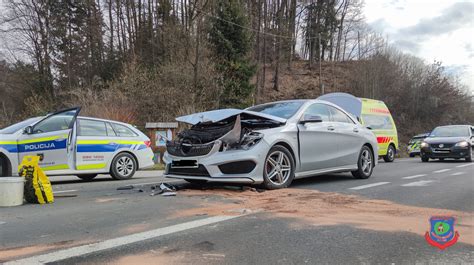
271	144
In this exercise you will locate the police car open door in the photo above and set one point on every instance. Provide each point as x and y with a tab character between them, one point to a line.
53	139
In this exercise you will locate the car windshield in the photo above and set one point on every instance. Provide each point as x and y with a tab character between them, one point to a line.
280	109
450	131
18	126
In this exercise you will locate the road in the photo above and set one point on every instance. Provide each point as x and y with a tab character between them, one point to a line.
326	219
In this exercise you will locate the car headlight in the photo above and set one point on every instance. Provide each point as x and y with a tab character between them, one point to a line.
424	144
462	144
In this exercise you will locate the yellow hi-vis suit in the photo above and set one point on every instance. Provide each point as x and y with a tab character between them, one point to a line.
37	187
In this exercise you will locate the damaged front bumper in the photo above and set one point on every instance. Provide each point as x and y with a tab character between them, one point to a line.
233	165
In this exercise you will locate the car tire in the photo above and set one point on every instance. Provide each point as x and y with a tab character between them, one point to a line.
365	164
123	166
424	158
196	181
441	159
412	155
469	158
3	166
390	156
87	177
278	168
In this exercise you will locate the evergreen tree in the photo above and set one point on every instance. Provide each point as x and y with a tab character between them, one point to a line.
232	43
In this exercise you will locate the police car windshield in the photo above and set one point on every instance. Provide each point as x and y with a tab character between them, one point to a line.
18	126
450	131
280	109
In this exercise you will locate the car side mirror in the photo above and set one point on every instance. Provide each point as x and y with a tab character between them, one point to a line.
28	130
311	119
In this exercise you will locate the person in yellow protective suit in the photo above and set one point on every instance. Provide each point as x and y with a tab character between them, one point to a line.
38	188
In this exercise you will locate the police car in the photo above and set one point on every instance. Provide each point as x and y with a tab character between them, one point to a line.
72	145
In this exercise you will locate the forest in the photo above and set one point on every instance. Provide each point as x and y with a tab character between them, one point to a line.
152	60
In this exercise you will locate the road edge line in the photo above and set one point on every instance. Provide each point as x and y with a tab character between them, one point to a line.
119	241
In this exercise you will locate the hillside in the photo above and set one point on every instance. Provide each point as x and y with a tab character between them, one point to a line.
302	82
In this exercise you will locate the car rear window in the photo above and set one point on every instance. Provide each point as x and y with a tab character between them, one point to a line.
123	131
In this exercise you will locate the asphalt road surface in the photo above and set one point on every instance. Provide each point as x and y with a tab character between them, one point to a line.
330	219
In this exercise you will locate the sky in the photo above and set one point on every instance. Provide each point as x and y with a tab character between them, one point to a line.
441	30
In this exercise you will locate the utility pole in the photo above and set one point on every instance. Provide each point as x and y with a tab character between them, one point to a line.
320	72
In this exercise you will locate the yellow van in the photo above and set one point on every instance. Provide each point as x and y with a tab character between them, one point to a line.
376	116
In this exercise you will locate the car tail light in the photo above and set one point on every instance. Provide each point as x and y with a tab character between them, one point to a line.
147	143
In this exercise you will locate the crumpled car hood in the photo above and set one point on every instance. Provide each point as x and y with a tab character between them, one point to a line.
222	114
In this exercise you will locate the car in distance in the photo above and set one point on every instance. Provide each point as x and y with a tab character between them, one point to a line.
72	145
452	141
271	144
375	115
413	147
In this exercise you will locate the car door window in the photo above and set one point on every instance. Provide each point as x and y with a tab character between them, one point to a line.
339	116
123	131
92	128
318	110
110	130
57	122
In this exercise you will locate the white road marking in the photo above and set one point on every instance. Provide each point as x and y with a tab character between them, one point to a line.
441	170
119	241
466	165
414	176
63	191
458	173
369	185
420	183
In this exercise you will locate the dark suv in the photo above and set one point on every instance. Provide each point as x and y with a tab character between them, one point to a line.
453	141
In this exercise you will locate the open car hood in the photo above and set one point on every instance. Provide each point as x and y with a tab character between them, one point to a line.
222	114
346	101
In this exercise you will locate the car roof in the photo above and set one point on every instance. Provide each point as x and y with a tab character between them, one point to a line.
104	120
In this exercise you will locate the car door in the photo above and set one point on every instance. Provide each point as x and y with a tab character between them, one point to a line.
349	140
318	140
95	144
53	139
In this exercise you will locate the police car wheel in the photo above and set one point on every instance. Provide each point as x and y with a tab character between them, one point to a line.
87	177
123	166
390	156
412	155
4	167
365	165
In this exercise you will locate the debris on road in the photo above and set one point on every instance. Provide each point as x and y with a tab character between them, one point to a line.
325	209
64	195
128	187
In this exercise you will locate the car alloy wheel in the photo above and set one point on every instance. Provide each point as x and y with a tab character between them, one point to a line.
125	166
278	167
366	161
365	165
